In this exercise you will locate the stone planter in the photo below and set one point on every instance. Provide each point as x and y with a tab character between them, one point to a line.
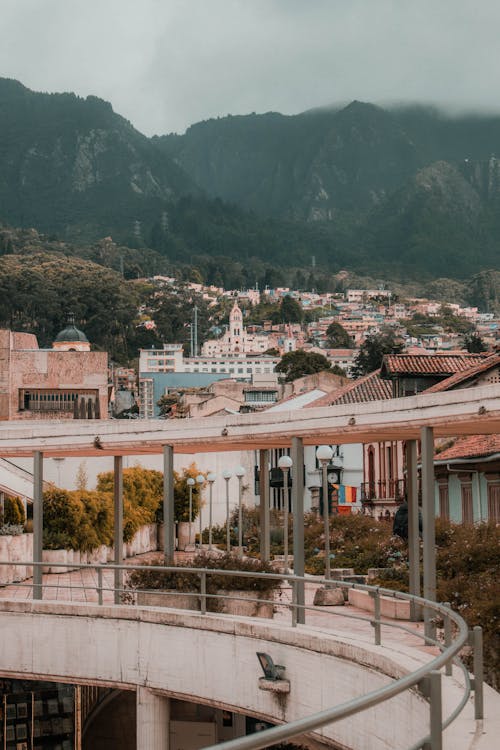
171	599
15	549
183	538
244	603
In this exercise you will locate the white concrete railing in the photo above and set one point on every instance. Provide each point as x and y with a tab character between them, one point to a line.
324	668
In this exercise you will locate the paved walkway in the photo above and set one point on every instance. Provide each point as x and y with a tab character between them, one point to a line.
344	621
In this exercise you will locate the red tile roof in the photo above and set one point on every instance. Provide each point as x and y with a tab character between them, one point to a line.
368	388
493	360
394	365
473	446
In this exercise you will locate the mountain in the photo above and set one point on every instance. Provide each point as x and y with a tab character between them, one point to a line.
401	193
73	166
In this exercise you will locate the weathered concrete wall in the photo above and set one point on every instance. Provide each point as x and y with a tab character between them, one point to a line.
213	660
15	549
145	540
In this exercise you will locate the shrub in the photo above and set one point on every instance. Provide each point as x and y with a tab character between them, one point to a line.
181	494
149	578
142	497
13	512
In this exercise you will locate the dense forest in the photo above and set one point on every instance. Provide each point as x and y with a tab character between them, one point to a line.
402	194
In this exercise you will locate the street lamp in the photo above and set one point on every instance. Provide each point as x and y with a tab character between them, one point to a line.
227	476
324	454
285	463
190	483
211	477
240	473
200	480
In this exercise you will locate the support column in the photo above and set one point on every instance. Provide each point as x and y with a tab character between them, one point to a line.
413	531
428	517
153	720
265	525
298	521
118	524
168	505
37	523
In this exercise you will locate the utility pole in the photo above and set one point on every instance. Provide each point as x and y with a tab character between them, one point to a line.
195	336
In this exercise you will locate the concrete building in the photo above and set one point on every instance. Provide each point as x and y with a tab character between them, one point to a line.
65	382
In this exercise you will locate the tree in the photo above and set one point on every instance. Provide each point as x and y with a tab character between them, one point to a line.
181	494
338	337
474	343
296	364
166	404
290	310
372	352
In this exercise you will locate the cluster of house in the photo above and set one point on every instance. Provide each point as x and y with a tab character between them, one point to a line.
71	381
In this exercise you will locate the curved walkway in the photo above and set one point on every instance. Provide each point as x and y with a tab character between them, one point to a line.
346	625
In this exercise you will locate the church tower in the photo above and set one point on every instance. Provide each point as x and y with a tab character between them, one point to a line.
236	331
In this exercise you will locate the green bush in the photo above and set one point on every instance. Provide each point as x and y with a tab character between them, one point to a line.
13	514
148	577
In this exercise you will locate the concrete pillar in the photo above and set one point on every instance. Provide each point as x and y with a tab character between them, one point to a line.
428	518
153	720
413	531
168	505
118	526
297	455
37	523
265	524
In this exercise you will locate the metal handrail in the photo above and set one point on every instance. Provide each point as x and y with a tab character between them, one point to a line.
287	731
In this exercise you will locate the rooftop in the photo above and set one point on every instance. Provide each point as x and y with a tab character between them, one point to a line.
447	364
473	446
368	388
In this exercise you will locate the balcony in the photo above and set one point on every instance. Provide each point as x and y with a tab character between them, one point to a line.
384	489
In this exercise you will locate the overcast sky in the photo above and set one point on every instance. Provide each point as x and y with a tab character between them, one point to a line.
165	64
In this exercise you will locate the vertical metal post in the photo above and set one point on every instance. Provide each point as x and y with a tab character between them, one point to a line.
200	500
413	530
294	604
168	505
429	531
376	618
190	513
285	519
118	526
265	551
240	517
447	640
436	711
203	593
297	455
477	635
210	501
99	585
37	524
228	530
326	518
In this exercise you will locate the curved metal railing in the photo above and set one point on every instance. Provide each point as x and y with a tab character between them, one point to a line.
100	588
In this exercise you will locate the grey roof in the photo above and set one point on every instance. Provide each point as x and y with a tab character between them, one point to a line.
72	333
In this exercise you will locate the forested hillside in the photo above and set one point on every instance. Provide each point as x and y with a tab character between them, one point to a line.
403	194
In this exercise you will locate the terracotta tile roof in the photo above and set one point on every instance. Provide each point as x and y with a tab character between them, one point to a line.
473	446
395	365
493	360
368	388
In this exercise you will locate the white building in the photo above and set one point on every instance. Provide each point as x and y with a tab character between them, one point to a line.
236	340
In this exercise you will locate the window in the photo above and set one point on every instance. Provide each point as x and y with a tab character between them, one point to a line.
494	501
444	501
467	509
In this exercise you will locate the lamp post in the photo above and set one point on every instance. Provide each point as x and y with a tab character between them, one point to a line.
227	476
240	473
285	463
324	455
190	483
200	480
210	479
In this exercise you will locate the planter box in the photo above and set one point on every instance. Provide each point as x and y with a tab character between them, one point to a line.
394	609
245	604
184	539
15	549
145	540
171	599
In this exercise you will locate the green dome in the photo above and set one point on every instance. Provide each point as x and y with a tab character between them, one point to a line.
71	334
